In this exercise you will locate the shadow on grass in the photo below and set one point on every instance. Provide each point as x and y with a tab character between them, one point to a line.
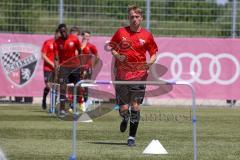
110	143
39	111
27	118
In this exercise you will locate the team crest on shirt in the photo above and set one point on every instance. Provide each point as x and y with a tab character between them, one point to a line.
142	41
71	44
19	61
124	38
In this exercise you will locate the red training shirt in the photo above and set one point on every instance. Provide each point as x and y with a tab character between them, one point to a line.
48	50
134	46
87	51
66	50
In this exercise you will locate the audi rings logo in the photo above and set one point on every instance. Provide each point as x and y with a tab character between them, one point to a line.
196	64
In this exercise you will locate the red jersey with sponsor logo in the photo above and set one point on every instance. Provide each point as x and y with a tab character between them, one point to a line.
87	51
48	50
134	46
66	49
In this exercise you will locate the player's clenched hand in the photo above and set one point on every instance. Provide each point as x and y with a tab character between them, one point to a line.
120	57
143	66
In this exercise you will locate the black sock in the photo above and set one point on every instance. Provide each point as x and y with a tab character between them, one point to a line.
85	94
63	97
45	93
134	121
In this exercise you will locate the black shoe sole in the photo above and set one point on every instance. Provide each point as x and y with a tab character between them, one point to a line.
131	145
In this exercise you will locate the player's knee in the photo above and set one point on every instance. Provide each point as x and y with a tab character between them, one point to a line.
135	106
48	85
124	107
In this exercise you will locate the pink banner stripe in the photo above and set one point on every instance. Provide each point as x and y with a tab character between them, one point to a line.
210	64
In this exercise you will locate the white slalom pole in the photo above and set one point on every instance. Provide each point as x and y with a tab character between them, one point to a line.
105	82
75	118
194	121
194	116
53	97
53	100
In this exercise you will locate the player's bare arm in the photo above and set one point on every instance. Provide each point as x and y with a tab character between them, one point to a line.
152	60
120	57
47	60
56	68
97	58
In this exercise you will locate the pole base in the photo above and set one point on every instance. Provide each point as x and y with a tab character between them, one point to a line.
72	157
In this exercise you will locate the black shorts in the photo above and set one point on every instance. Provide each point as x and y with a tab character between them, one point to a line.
127	93
86	73
48	76
69	75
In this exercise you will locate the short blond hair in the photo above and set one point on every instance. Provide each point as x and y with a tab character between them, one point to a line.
136	9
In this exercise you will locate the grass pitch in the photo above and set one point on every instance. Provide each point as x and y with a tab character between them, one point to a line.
27	133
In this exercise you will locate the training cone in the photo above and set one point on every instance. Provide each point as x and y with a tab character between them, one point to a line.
155	147
85	118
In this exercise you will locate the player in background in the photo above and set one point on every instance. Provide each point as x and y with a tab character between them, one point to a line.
90	59
67	48
89	49
130	65
75	31
48	65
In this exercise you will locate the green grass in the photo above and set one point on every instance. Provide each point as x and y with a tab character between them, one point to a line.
26	133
